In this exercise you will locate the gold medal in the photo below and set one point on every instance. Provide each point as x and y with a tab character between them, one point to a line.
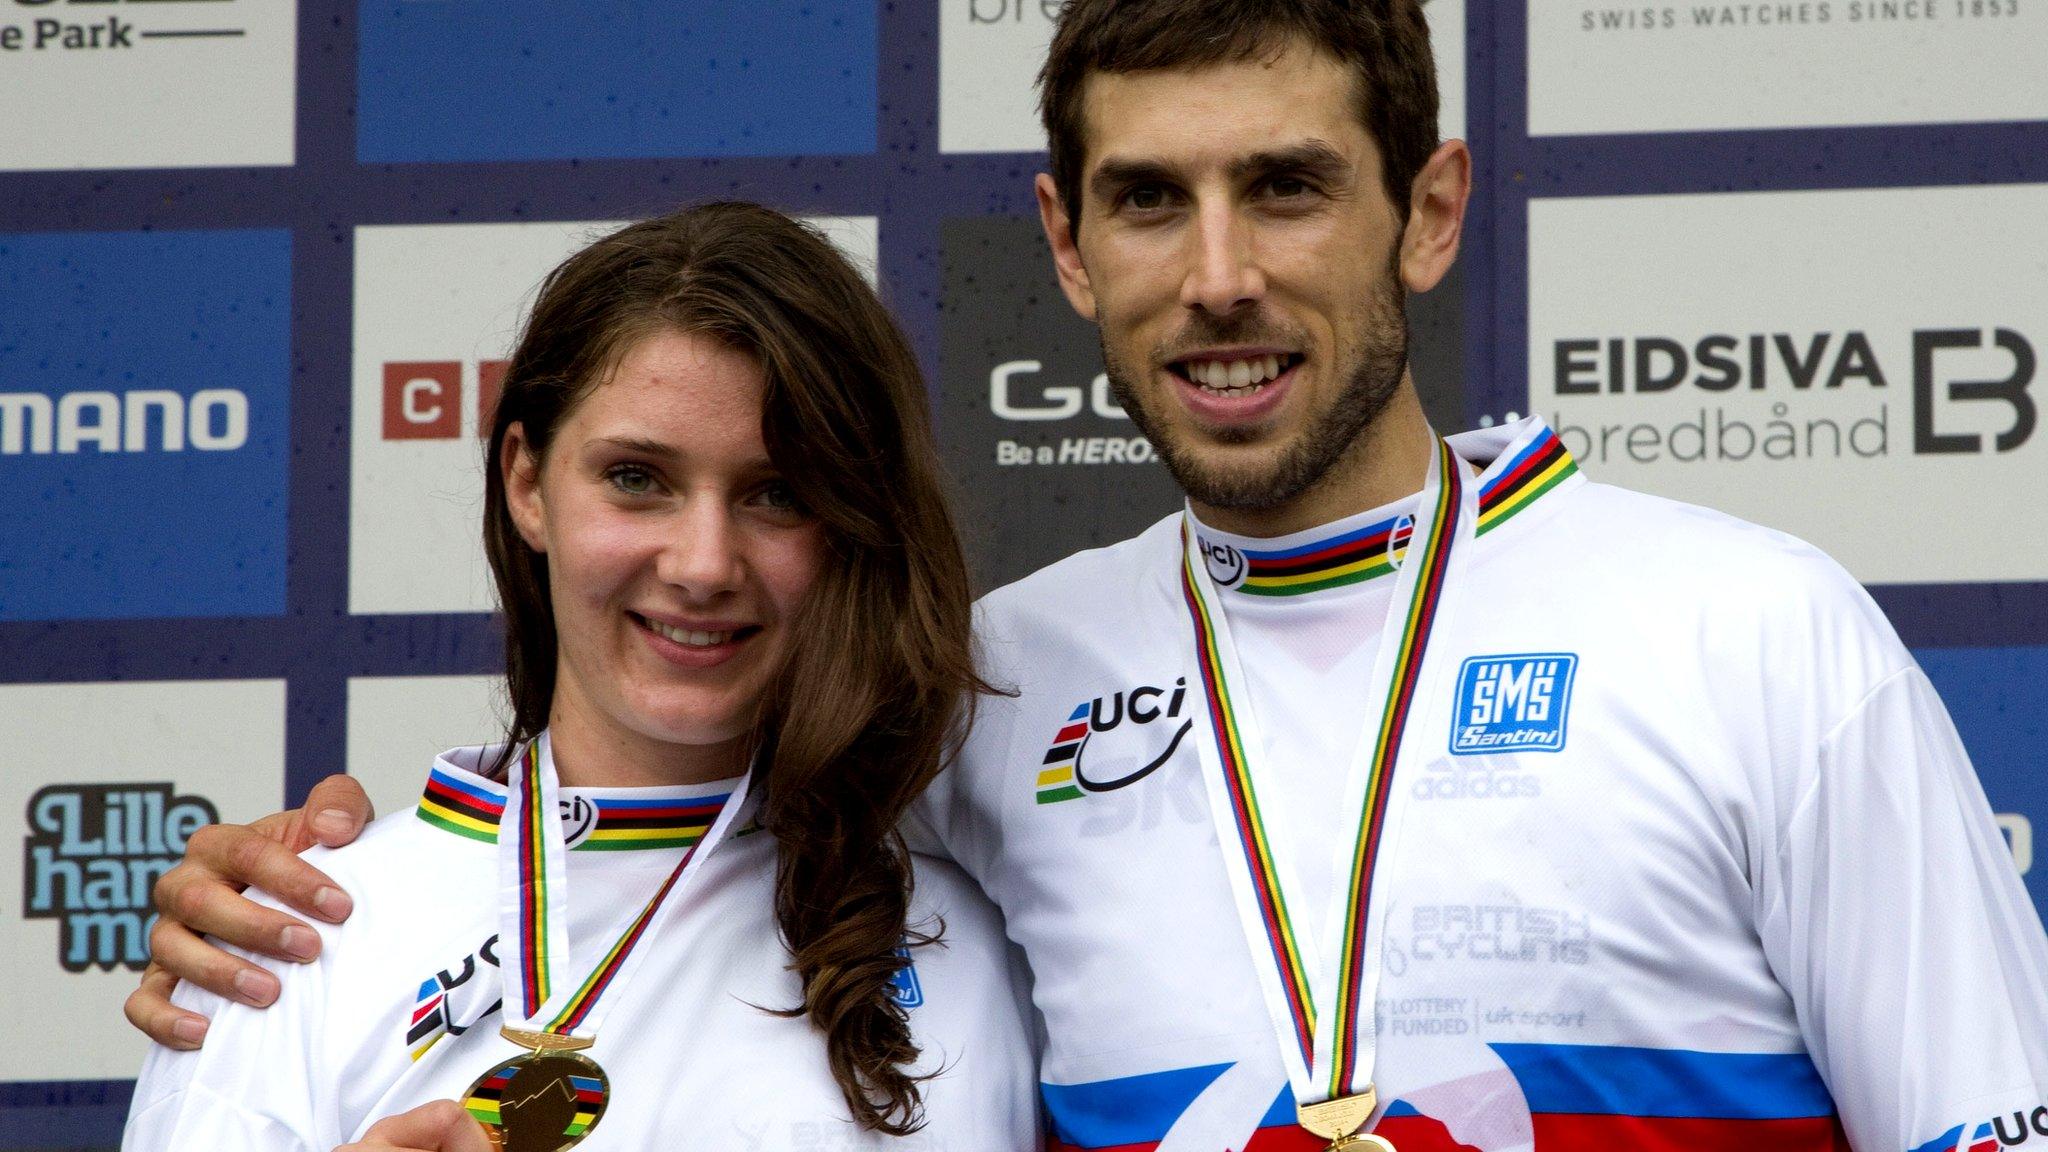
1339	1121
546	1100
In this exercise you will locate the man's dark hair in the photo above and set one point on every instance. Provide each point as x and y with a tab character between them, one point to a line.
1384	42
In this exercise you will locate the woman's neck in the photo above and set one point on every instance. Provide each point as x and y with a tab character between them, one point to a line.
603	756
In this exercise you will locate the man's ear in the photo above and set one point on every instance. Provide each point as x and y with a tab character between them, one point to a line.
1066	254
522	488
1436	216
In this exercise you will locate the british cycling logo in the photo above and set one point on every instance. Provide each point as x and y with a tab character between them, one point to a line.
1126	736
2001	1131
92	855
1515	703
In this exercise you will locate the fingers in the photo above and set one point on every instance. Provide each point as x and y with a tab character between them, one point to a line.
336	810
441	1126
183	955
149	1009
202	893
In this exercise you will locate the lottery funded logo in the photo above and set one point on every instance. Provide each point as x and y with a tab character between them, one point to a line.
92	855
1129	734
1513	703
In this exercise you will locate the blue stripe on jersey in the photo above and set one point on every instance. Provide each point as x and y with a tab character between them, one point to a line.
1128	1110
458	784
1946	1142
1603	1081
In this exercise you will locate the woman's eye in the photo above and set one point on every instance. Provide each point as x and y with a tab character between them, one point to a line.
631	480
779	497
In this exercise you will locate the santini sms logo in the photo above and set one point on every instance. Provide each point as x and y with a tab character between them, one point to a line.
1513	703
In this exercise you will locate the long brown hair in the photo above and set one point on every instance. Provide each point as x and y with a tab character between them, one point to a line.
859	717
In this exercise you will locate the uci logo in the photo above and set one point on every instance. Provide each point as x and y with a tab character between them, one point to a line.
1226	564
1113	742
579	820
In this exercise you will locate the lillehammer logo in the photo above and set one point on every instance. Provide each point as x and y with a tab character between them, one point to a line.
1063	774
1515	703
92	854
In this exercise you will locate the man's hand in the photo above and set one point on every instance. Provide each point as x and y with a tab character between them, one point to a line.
438	1127
202	895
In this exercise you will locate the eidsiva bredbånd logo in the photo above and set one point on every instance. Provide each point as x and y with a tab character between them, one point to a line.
1515	703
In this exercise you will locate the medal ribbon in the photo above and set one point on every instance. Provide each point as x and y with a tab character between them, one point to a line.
1340	1034
535	893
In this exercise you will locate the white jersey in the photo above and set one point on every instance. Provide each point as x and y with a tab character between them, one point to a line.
403	1005
1684	851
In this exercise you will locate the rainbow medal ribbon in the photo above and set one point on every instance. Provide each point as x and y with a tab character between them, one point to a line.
1329	1054
552	1095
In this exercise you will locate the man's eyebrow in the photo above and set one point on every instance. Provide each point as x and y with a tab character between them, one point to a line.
1310	157
1115	172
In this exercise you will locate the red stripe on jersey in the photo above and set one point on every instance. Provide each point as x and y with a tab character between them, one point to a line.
1556	1132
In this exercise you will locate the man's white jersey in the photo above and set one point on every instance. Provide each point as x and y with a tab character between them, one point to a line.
402	1007
1684	852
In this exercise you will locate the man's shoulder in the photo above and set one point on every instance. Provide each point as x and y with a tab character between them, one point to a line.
1092	581
1677	568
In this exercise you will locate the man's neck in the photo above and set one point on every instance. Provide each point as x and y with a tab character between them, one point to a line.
1386	463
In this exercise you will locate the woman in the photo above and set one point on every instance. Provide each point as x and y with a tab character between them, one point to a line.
733	605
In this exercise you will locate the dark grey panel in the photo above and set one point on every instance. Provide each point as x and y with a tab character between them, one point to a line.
1080	489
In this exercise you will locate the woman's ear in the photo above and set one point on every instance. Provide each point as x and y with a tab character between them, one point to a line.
522	488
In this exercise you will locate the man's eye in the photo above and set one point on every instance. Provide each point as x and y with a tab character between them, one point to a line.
1286	187
630	479
1146	197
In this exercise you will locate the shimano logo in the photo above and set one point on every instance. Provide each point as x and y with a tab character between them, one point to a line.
145	420
93	853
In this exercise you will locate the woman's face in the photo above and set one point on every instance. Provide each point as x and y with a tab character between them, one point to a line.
676	559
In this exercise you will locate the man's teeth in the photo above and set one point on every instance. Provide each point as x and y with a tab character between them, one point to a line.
1234	377
692	638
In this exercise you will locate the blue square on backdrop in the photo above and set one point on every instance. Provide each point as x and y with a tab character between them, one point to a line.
1998	698
144	424
450	80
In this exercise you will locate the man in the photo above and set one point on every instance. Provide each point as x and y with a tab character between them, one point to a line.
1421	790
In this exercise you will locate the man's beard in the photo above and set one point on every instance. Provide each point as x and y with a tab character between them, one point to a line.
1380	357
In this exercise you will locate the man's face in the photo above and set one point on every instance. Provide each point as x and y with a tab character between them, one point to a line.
1239	252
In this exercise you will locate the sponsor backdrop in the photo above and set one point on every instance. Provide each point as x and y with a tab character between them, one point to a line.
261	261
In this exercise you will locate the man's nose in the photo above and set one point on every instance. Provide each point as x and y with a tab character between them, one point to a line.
1223	273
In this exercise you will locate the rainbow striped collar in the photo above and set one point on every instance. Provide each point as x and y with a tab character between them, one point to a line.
469	805
1529	465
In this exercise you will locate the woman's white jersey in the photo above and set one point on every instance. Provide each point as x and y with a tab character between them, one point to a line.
1682	850
402	1007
